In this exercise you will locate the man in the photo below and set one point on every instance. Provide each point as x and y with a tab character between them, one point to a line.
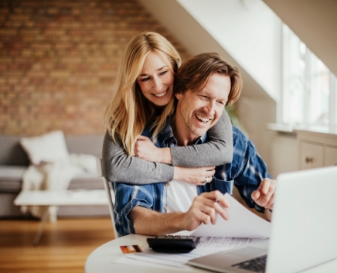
204	86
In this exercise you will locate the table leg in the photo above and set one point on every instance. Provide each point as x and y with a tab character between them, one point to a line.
40	230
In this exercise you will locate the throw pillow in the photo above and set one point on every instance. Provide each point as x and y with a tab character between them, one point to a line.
50	148
85	161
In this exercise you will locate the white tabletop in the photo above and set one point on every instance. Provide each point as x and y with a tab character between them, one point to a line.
61	198
102	259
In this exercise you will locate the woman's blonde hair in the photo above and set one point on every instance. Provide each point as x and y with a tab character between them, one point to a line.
129	111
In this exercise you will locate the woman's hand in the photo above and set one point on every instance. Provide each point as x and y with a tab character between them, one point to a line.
196	176
145	149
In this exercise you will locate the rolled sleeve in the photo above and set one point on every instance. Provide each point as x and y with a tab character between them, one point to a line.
126	198
250	173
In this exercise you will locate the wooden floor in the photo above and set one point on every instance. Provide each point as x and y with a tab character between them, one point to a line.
64	245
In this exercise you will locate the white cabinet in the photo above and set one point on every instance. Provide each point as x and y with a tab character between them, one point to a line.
295	149
316	149
311	155
330	156
283	154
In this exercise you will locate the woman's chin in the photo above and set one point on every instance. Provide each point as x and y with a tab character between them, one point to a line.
160	104
161	101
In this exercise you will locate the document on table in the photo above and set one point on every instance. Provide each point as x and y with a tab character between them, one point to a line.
206	245
241	223
237	231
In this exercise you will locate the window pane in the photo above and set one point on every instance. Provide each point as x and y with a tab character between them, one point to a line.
318	109
294	74
309	94
333	104
294	103
318	92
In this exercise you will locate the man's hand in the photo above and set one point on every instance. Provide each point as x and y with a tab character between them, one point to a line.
204	209
264	195
145	149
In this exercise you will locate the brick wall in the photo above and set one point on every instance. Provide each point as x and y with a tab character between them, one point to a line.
58	61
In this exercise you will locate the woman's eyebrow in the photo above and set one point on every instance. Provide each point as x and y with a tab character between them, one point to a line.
165	66
144	74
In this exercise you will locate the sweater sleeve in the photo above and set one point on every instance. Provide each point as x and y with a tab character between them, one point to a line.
217	151
119	167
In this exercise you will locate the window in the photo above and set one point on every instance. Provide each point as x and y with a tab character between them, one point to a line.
309	88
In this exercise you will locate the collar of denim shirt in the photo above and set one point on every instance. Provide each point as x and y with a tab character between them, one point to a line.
166	138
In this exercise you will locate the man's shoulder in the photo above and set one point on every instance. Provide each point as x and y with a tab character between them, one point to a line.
237	133
241	142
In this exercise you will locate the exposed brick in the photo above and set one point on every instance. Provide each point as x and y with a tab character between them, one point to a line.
30	32
59	59
36	74
8	32
19	17
41	46
54	32
30	3
60	74
4	10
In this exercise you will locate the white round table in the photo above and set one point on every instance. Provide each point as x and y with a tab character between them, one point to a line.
102	258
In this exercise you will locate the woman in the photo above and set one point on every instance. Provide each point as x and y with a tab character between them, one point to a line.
143	95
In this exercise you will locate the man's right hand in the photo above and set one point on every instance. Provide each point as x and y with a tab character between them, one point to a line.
204	209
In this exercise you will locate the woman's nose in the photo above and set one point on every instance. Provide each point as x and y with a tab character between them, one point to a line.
157	84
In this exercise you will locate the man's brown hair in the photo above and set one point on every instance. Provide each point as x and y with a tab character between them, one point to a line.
194	73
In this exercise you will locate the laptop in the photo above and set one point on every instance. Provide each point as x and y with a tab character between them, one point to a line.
303	229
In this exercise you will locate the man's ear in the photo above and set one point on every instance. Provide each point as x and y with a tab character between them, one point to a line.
178	95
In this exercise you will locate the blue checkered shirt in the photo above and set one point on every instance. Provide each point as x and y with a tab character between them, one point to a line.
246	172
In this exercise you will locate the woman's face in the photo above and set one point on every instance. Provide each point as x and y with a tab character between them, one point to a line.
156	79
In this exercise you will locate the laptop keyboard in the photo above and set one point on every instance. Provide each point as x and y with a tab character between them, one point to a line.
255	265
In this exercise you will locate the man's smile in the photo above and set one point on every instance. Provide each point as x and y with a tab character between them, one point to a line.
202	119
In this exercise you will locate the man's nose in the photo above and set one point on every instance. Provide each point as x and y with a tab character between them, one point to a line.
157	84
211	108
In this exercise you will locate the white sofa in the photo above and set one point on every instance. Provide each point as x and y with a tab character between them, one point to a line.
14	161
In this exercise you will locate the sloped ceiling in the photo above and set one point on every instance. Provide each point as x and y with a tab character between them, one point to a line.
314	22
196	39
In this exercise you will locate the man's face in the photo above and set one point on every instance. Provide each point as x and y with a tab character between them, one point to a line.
199	110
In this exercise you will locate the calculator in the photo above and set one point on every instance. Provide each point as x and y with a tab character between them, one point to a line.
173	243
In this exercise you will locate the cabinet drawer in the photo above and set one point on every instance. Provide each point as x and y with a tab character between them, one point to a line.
311	155
330	156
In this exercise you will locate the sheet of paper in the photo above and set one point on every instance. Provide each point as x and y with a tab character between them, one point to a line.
241	223
207	245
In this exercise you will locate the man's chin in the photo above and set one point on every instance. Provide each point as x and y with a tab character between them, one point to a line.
200	132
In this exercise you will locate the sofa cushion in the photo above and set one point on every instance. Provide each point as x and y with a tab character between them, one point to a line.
10	186
11	152
87	144
12	173
7	207
86	181
11	178
85	161
50	147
